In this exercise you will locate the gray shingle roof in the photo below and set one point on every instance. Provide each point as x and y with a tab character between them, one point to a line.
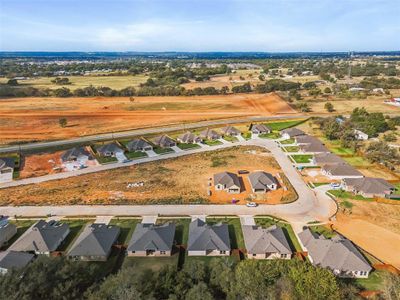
292	132
41	237
341	170
137	144
74	153
189	137
14	259
313	147
327	158
108	148
230	130
260	240
152	237
262	128
164	141
6	231
204	237
370	185
261	180
95	240
6	162
306	139
210	134
227	179
336	254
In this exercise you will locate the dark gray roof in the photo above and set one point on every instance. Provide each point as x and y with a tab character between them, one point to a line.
6	162
226	178
263	240
306	139
74	153
137	144
110	147
336	254
229	130
210	134
189	137
164	141
341	170
260	128
314	147
95	240
327	158
41	237
14	259
152	237
7	230
204	237
261	179
370	185
292	132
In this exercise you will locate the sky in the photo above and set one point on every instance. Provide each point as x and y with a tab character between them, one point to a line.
199	25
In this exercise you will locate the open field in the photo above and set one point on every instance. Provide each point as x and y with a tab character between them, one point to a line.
180	180
37	119
114	82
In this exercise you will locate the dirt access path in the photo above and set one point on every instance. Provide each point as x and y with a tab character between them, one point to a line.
37	119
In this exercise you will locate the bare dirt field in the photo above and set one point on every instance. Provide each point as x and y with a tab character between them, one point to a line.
37	119
41	164
180	180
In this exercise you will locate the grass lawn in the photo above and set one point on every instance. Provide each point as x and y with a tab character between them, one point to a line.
160	150
22	226
153	263
232	259
105	159
229	138
283	125
271	135
341	150
397	188
127	227
302	159
288	141
374	282
287	229
235	230
357	161
291	148
212	143
135	154
76	227
347	195
246	135
185	146
323	230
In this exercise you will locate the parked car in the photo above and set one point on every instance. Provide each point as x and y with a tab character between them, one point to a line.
251	204
335	185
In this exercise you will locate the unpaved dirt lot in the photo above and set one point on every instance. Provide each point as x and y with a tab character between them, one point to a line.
41	164
37	119
180	180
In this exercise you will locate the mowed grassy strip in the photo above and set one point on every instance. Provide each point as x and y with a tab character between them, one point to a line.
302	159
287	229
160	150
348	195
323	230
277	126
135	154
212	143
188	146
127	227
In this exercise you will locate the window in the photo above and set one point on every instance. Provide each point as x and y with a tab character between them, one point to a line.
162	252
254	254
283	255
222	252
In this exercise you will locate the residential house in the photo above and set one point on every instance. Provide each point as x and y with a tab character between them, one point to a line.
260	129
14	260
230	131
42	237
210	134
226	181
306	139
95	242
337	254
7	230
266	243
110	150
164	141
368	187
291	133
189	138
314	147
261	182
359	135
340	171
152	240
80	154
7	165
327	158
208	240
139	145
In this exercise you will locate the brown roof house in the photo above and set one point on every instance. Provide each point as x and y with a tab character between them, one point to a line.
42	237
291	133
164	141
340	171
152	240
259	129
231	131
226	181
337	254
368	187
261	182
210	134
208	240
7	230
7	165
189	138
266	243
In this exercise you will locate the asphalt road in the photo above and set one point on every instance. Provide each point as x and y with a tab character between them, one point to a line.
310	205
139	132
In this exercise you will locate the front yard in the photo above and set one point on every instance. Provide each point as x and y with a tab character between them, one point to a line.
288	141
160	150
185	146
231	139
212	143
272	135
291	149
302	159
347	195
135	154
